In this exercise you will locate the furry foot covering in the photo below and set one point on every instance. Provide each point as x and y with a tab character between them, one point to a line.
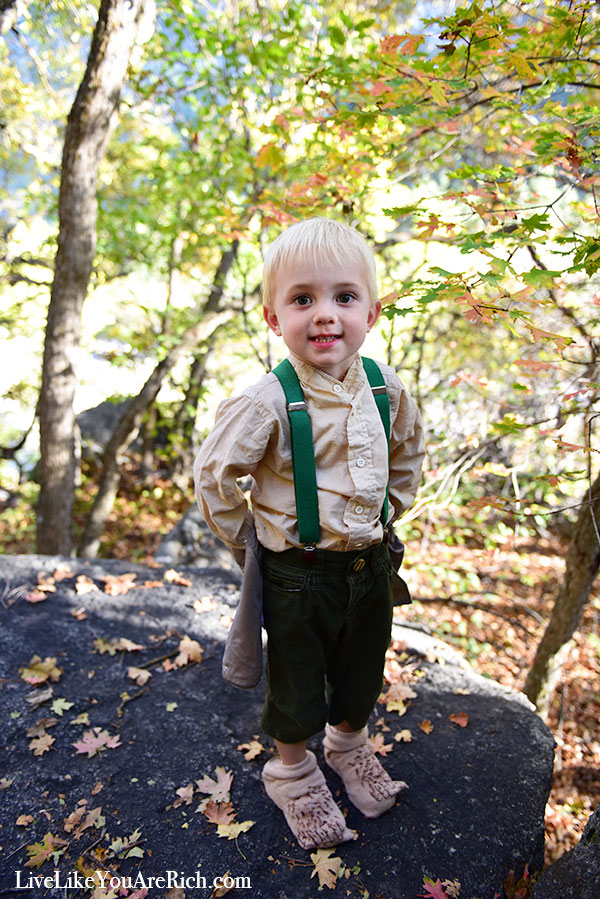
303	796
370	788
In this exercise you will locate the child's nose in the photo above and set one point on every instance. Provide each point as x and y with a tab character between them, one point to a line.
325	311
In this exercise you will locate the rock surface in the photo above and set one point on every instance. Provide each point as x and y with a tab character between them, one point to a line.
474	810
576	874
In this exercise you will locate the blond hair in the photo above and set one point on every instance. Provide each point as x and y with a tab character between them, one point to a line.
317	239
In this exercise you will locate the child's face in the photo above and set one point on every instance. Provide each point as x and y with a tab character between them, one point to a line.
322	310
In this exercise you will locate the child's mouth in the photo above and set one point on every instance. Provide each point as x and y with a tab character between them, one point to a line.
329	338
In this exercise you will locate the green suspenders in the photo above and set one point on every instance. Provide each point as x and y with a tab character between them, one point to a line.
303	456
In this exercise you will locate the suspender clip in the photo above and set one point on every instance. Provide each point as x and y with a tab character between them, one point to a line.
309	554
297	407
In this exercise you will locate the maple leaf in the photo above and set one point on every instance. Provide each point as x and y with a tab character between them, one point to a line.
433	890
219	813
175	577
426	726
38	671
204	604
189	651
117	644
326	867
40	727
49	847
215	789
379	745
127	848
460	718
253	748
118	585
403	736
41	744
85	585
60	705
139	675
232	831
185	795
95	741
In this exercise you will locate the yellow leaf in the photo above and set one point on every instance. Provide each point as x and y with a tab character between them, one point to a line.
438	93
38	671
403	736
253	748
326	867
232	831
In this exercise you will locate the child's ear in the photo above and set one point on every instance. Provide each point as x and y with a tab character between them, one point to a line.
271	319
374	312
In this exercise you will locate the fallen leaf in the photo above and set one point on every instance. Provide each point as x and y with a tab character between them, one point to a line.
185	796
189	651
204	604
219	813
149	584
426	726
6	782
35	596
95	741
63	570
37	697
175	577
41	744
117	644
379	745
232	831
433	890
222	891
40	727
38	671
252	749
139	675
85	585
24	820
226	621
49	847
127	848
215	789
79	614
460	718
60	705
84	719
452	888
118	585
403	736
326	867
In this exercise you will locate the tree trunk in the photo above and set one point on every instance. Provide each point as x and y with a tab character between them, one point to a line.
88	128
126	431
582	563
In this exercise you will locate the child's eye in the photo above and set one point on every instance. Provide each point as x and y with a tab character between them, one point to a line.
302	300
345	298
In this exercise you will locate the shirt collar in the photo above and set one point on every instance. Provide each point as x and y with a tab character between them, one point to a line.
354	380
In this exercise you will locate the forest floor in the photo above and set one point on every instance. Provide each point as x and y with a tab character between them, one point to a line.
489	600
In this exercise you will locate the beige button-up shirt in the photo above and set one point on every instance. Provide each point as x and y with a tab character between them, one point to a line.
251	436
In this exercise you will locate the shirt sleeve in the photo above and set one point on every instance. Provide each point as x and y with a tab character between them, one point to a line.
407	451
233	449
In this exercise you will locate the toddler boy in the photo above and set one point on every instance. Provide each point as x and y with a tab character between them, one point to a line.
327	610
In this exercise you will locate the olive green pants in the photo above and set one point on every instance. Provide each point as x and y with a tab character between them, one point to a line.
328	623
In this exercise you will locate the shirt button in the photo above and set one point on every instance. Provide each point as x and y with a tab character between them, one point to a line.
337	388
361	462
359	510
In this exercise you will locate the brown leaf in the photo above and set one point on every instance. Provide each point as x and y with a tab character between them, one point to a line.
40	727
379	745
84	585
50	846
139	675
24	820
460	718
426	726
219	813
189	651
80	613
37	697
326	867
117	644
62	571
253	749
403	736
185	795
175	577
118	585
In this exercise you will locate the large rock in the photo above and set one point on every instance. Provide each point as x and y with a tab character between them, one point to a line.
191	542
576	874
474	810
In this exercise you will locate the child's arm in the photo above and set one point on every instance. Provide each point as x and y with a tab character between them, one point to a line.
407	451
232	450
